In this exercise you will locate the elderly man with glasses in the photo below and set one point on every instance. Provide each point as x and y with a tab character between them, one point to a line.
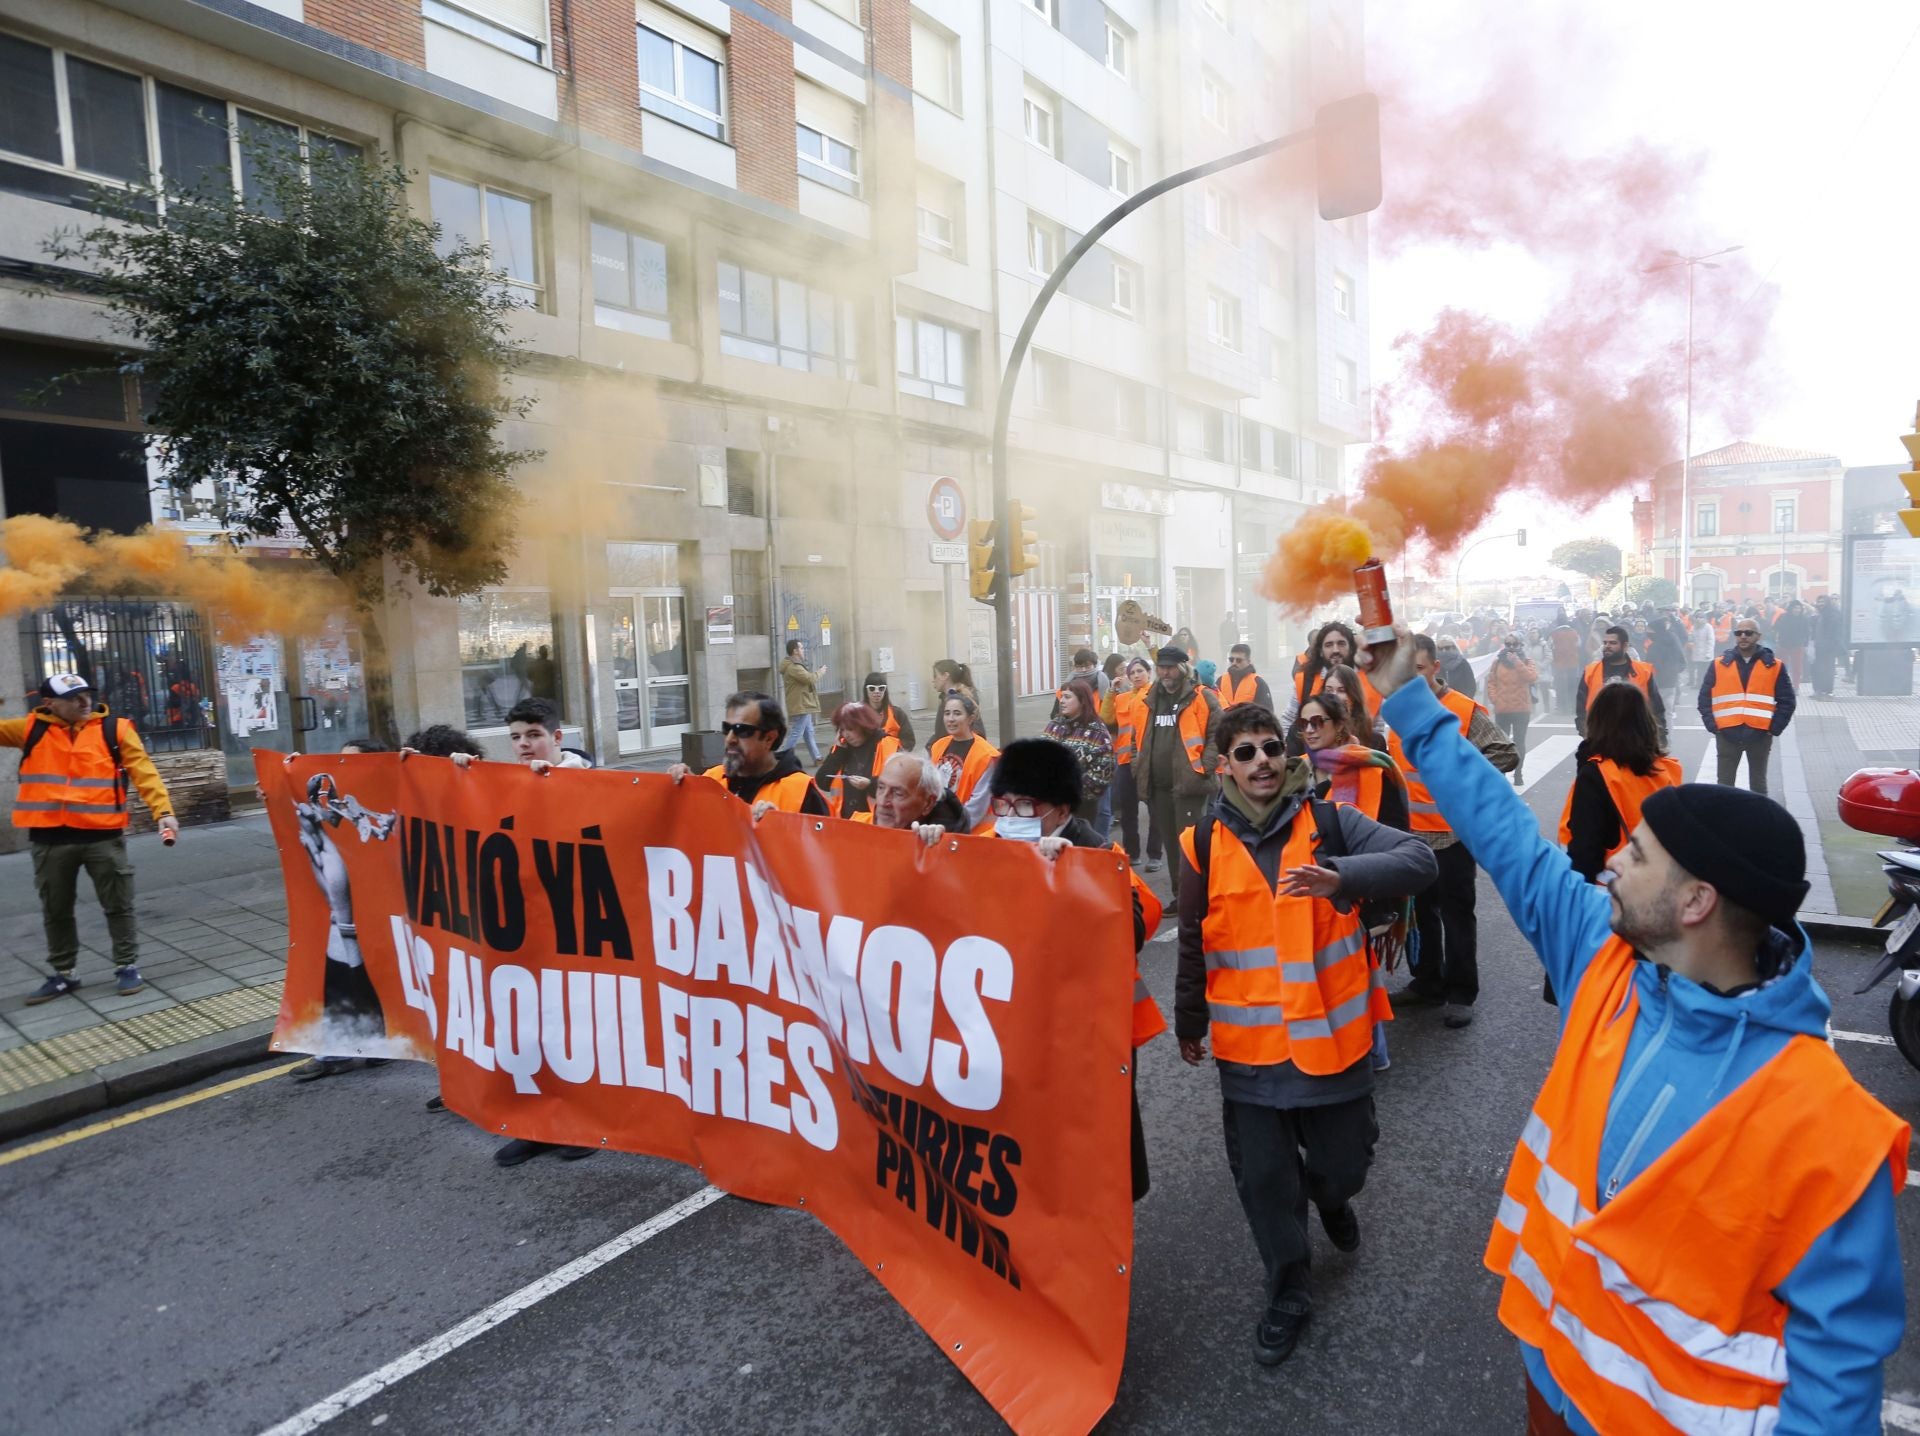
755	769
1746	701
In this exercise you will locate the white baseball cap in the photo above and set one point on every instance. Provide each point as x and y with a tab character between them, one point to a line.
64	685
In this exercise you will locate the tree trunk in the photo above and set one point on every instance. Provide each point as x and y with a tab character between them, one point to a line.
369	605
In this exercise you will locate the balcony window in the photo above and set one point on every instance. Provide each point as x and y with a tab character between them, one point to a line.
682	72
516	26
930	359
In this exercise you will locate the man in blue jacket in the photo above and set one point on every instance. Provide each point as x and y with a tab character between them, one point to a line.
1693	946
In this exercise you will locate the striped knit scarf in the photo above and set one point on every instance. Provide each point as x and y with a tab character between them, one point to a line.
1387	921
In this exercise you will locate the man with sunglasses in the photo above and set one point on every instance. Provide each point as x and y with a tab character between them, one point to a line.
1746	701
755	769
1616	664
1241	684
1274	966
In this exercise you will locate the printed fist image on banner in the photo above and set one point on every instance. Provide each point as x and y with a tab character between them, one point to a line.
818	1014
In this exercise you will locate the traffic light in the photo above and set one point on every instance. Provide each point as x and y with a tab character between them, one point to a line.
980	571
1023	546
1911	517
1346	144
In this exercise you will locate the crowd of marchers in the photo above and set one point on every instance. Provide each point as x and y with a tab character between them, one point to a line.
1677	1247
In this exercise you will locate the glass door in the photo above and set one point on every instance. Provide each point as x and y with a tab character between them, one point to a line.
668	674
623	658
330	701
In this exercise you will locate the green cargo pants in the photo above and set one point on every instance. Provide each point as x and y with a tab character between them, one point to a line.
56	877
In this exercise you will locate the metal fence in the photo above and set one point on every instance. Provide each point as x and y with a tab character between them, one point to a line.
146	658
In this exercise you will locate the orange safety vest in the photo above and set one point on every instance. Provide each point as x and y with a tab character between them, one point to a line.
892	726
1735	706
1723	627
1656	1312
1423	812
884	747
71	777
979	758
1628	790
1148	1021
1194	722
787	795
1371	694
1289	979
1129	725
1642	679
1234	692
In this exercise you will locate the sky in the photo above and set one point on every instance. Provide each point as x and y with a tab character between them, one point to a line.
1802	116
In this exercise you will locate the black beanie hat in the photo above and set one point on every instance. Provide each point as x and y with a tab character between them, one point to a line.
1171	654
1744	844
1037	768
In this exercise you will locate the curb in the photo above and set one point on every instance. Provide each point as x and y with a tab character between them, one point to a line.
51	1103
1840	928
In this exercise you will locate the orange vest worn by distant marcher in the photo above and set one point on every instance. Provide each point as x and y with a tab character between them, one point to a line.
1596	680
1423	812
1748	706
1628	790
787	794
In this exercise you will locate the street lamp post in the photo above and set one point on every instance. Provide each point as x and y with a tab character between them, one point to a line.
1459	601
1692	262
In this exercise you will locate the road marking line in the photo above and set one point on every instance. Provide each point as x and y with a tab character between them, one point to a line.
369	1386
127	1119
1873	1037
1545	756
1900	1415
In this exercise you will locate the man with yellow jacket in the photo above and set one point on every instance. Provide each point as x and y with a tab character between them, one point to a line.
75	761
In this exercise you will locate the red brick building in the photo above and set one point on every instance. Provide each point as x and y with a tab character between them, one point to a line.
1764	520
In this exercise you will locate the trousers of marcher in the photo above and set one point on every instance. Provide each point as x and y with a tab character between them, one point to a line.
56	878
1823	658
1173	814
1727	752
1566	686
1449	966
800	730
1126	808
1282	1158
1514	725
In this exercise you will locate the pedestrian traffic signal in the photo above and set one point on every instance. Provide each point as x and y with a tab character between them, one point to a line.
1023	546
1911	517
981	575
1346	144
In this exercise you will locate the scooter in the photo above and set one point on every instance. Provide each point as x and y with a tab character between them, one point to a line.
1886	801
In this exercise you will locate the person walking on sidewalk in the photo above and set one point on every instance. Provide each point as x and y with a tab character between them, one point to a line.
1274	967
75	762
802	686
1698	1228
1510	680
1746	701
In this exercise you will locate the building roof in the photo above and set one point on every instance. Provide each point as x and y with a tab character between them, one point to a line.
1745	451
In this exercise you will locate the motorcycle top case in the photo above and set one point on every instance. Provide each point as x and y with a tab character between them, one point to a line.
1884	801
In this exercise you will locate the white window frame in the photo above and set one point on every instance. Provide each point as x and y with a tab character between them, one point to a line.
1216	105
1709	509
1346	381
926	220
486	29
1792	510
1036	103
1052	378
1042	8
848	177
649	323
1224	320
845	358
950	62
535	290
684	35
1221	213
1126	288
1275	370
1044	243
954	345
1120	44
1343	298
1123	170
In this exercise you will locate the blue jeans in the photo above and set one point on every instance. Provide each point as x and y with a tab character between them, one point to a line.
1103	818
801	727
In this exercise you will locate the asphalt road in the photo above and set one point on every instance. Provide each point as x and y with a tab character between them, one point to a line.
224	1266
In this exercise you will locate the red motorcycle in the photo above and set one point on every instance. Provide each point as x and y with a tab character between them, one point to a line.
1886	801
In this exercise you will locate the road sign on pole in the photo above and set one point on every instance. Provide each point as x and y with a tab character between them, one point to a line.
947	509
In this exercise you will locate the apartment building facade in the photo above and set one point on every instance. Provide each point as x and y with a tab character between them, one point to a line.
1767	522
771	253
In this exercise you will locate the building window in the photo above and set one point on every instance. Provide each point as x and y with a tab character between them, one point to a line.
629	281
1131	414
1276	355
1222	214
506	653
1215	104
1343	296
743	483
1223	319
1119	49
782	321
1126	287
848	10
930	359
1036	117
1044	244
828	161
1122	167
1213	433
1275	267
1706	521
1346	381
681	72
1042	8
749	589
515	26
500	223
1785	515
1050	383
937	217
936	65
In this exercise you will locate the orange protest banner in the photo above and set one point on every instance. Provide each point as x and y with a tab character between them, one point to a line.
928	1048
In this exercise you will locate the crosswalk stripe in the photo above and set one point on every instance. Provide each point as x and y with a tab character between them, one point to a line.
1543	757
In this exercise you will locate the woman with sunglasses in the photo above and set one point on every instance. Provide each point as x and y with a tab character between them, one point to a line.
1078	726
1353	691
846	774
963	757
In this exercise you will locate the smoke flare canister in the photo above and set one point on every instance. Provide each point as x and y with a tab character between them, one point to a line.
1376	610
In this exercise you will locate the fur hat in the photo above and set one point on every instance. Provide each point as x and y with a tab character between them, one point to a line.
1037	768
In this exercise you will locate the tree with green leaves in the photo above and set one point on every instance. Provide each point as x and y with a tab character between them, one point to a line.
316	355
1593	557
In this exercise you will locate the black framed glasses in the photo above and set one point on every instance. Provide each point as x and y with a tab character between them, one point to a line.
1272	747
1017	807
1746	633
742	730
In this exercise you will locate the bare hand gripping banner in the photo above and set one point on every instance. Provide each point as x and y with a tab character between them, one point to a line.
927	1048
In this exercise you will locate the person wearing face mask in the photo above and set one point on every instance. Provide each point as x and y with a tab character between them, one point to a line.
1698	1228
1455	668
963	757
1510	680
1274	969
894	722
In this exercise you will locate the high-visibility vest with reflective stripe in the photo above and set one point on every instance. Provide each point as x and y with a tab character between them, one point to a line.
1656	1312
1361	784
1235	691
1367	689
1744	706
1194	720
1148	1020
884	747
70	780
1723	627
972	767
1129	725
1423	813
891	727
1642	678
1288	978
787	794
1628	790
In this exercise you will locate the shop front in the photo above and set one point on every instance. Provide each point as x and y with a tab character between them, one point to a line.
1125	549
